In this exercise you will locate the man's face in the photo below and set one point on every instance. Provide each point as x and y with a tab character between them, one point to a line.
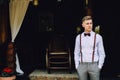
87	25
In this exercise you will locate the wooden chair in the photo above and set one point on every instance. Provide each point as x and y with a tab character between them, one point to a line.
58	54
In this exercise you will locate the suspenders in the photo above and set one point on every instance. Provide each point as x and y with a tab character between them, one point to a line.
81	49
93	48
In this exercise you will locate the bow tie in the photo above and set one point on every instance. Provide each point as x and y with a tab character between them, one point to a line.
86	34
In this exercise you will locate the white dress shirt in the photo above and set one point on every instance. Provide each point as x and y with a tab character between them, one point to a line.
87	43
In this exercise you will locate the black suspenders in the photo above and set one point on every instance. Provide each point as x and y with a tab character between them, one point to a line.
93	48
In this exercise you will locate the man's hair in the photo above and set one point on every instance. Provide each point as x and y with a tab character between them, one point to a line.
86	18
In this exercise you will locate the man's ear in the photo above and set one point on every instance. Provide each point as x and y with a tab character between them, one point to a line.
82	25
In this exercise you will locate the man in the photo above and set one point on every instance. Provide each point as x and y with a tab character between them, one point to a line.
89	54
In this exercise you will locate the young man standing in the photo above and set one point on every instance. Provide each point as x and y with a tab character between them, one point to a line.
89	54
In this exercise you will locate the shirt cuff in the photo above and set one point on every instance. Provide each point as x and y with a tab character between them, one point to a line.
99	66
76	66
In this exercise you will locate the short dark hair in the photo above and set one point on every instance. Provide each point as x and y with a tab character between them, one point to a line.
86	18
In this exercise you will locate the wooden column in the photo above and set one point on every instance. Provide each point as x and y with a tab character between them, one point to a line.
6	47
3	23
88	7
3	32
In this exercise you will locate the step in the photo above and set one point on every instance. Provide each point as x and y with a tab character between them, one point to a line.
55	75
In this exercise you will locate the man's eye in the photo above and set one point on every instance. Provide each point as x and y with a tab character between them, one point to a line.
87	23
90	23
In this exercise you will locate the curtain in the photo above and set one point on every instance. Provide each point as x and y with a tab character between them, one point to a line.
17	11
